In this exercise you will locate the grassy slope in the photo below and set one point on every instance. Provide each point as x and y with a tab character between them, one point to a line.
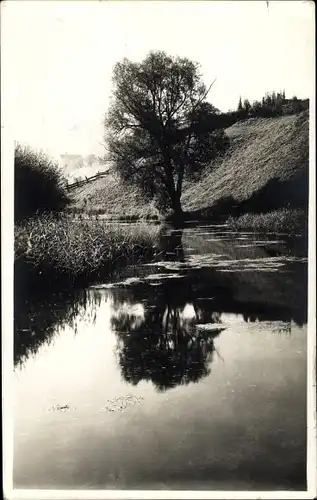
107	195
271	150
266	156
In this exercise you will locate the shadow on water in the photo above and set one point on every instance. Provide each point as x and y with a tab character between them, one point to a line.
37	318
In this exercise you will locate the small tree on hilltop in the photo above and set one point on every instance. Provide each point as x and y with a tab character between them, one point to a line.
246	105
153	134
240	105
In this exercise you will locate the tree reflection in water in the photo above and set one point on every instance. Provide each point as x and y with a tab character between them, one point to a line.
37	318
170	244
165	346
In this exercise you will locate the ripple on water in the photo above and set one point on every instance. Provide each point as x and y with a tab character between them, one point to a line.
61	408
210	326
134	281
152	277
245	270
174	270
121	403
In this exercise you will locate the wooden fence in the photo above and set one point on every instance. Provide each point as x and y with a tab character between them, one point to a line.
86	180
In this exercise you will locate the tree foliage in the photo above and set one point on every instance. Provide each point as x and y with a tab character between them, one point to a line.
272	104
153	127
240	105
39	185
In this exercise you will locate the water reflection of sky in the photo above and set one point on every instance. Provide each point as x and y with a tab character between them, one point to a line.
251	401
198	382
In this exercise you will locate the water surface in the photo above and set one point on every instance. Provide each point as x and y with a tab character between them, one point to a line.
185	373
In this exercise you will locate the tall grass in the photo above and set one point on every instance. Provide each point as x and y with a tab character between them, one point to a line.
96	212
53	250
283	220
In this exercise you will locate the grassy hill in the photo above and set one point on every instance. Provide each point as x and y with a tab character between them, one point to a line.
265	168
107	195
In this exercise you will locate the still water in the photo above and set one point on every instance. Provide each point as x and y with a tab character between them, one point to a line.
186	373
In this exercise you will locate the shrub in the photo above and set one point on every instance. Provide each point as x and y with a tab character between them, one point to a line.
39	184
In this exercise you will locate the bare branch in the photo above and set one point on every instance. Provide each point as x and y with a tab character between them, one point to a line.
204	95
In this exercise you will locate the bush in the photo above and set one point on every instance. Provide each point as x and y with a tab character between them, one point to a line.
39	184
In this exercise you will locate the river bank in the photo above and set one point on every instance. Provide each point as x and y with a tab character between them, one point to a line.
284	220
62	250
70	250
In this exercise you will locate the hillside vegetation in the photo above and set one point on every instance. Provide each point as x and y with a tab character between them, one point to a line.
109	196
265	168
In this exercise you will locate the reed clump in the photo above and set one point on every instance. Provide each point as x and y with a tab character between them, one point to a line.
285	220
52	249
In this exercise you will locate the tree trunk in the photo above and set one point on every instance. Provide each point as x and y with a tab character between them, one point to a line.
177	208
176	217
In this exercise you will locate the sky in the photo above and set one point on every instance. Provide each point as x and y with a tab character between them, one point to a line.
58	57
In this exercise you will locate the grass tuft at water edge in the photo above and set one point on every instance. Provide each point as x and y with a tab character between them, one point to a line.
283	220
52	249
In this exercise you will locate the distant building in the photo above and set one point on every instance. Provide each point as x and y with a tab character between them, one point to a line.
71	162
91	159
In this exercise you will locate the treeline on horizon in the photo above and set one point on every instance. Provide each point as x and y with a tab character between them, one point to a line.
272	104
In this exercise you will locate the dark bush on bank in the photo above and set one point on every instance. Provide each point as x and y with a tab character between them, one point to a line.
39	185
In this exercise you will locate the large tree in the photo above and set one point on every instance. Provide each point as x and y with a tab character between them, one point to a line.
153	127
